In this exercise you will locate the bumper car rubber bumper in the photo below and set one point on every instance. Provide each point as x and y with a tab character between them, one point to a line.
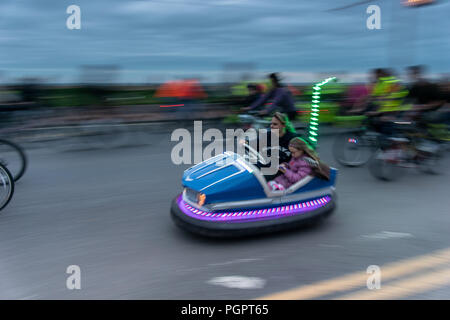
188	218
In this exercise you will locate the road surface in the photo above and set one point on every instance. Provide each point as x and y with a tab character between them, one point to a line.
107	211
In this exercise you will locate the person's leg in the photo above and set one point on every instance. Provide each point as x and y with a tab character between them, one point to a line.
273	176
275	186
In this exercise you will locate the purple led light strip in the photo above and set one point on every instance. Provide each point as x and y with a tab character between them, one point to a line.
267	213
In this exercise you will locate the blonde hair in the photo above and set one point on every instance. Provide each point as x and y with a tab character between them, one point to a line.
302	145
320	169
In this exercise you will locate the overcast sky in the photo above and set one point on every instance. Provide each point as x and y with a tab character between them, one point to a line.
156	39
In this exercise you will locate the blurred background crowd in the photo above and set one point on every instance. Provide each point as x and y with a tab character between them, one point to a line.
32	102
215	60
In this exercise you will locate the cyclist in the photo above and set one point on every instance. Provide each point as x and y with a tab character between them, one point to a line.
425	96
355	99
385	102
255	92
385	105
444	111
280	96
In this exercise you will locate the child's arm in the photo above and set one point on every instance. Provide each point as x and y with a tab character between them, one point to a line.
295	176
283	167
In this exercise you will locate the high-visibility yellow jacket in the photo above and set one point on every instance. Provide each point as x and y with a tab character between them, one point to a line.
389	95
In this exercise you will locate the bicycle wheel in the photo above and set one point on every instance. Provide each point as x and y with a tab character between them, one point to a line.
429	156
6	186
431	163
352	149
13	157
382	167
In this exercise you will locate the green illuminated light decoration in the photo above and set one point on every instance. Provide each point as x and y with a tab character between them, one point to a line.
313	128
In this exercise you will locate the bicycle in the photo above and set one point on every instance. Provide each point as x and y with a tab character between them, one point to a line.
410	148
6	186
13	157
355	148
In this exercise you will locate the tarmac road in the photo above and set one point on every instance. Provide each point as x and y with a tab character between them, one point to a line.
107	211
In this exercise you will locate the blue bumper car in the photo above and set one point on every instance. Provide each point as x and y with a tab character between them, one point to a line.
226	196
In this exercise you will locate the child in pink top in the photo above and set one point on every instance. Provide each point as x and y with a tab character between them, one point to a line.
298	167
